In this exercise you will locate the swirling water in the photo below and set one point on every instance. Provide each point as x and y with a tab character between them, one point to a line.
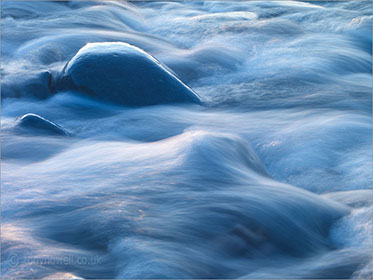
270	178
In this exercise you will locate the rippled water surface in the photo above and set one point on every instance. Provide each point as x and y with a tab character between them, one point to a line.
269	178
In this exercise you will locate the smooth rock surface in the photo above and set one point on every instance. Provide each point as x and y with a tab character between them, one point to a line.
35	124
123	74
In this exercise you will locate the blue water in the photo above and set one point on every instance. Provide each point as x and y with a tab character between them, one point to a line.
269	178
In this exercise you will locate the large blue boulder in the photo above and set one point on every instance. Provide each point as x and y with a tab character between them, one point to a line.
123	74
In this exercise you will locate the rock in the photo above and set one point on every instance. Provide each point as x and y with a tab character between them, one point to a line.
123	74
33	84
35	124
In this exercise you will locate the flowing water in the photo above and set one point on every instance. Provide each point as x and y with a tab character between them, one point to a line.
269	178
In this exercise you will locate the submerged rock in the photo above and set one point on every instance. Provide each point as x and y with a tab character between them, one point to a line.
32	84
123	74
35	124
